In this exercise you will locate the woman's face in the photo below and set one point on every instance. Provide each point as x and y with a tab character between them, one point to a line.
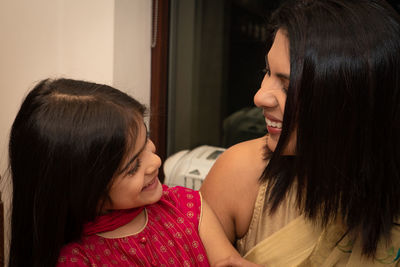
271	97
137	183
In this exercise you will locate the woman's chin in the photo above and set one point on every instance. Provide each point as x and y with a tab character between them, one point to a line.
271	143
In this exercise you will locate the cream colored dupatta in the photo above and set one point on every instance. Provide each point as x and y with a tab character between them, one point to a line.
288	247
299	244
286	239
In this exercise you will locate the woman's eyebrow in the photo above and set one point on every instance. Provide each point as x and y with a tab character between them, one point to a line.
283	76
278	74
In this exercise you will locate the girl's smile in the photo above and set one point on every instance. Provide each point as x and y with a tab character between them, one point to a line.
151	185
137	185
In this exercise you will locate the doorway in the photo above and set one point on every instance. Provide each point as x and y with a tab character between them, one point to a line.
216	62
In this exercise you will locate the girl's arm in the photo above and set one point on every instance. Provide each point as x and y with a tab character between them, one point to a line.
232	185
220	251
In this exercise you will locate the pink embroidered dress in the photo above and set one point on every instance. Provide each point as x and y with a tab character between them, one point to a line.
170	237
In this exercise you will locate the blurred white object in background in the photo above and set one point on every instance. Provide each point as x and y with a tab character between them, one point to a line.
188	168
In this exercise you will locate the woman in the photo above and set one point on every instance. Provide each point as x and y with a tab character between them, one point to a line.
322	189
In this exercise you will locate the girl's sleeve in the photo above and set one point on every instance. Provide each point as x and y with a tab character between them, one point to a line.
70	256
187	201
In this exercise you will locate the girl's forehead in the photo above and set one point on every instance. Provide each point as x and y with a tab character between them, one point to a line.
141	138
136	127
138	140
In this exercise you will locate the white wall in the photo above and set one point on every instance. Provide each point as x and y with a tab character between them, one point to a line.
104	41
132	44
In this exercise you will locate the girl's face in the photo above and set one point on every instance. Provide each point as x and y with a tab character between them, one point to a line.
271	97
137	184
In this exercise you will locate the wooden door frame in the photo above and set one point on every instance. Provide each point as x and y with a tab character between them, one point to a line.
159	78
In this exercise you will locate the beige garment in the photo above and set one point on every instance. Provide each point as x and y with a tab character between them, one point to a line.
288	240
347	253
263	225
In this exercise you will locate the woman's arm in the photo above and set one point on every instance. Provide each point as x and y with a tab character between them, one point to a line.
232	185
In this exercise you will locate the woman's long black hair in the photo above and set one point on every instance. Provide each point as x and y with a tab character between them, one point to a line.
67	141
343	106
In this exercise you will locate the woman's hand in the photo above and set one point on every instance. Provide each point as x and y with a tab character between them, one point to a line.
235	261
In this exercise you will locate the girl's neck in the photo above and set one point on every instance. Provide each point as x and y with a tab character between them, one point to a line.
133	227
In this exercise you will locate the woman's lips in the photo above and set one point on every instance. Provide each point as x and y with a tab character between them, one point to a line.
274	126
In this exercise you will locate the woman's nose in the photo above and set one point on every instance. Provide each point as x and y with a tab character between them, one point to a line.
265	97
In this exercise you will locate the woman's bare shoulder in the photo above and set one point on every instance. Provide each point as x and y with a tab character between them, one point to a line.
254	148
243	158
232	185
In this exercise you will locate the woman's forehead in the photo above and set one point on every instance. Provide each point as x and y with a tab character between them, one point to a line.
278	56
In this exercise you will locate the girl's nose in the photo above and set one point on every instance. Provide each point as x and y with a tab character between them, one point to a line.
152	146
155	164
155	161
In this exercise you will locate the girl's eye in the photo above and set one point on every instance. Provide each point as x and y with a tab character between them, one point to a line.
135	168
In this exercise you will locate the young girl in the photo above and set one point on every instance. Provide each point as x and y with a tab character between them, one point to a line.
86	191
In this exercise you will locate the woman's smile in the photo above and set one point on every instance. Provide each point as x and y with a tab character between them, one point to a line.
274	126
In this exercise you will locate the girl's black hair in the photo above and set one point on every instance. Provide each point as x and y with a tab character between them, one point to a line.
66	143
343	106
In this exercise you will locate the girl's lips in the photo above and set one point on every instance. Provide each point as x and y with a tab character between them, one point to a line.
151	185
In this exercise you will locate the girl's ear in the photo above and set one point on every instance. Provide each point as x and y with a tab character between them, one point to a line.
104	204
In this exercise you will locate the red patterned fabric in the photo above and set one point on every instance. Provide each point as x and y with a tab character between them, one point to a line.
170	238
111	221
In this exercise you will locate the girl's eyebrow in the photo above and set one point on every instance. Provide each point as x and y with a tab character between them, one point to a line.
137	154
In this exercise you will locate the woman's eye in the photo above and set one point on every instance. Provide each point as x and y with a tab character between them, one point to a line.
135	168
267	71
